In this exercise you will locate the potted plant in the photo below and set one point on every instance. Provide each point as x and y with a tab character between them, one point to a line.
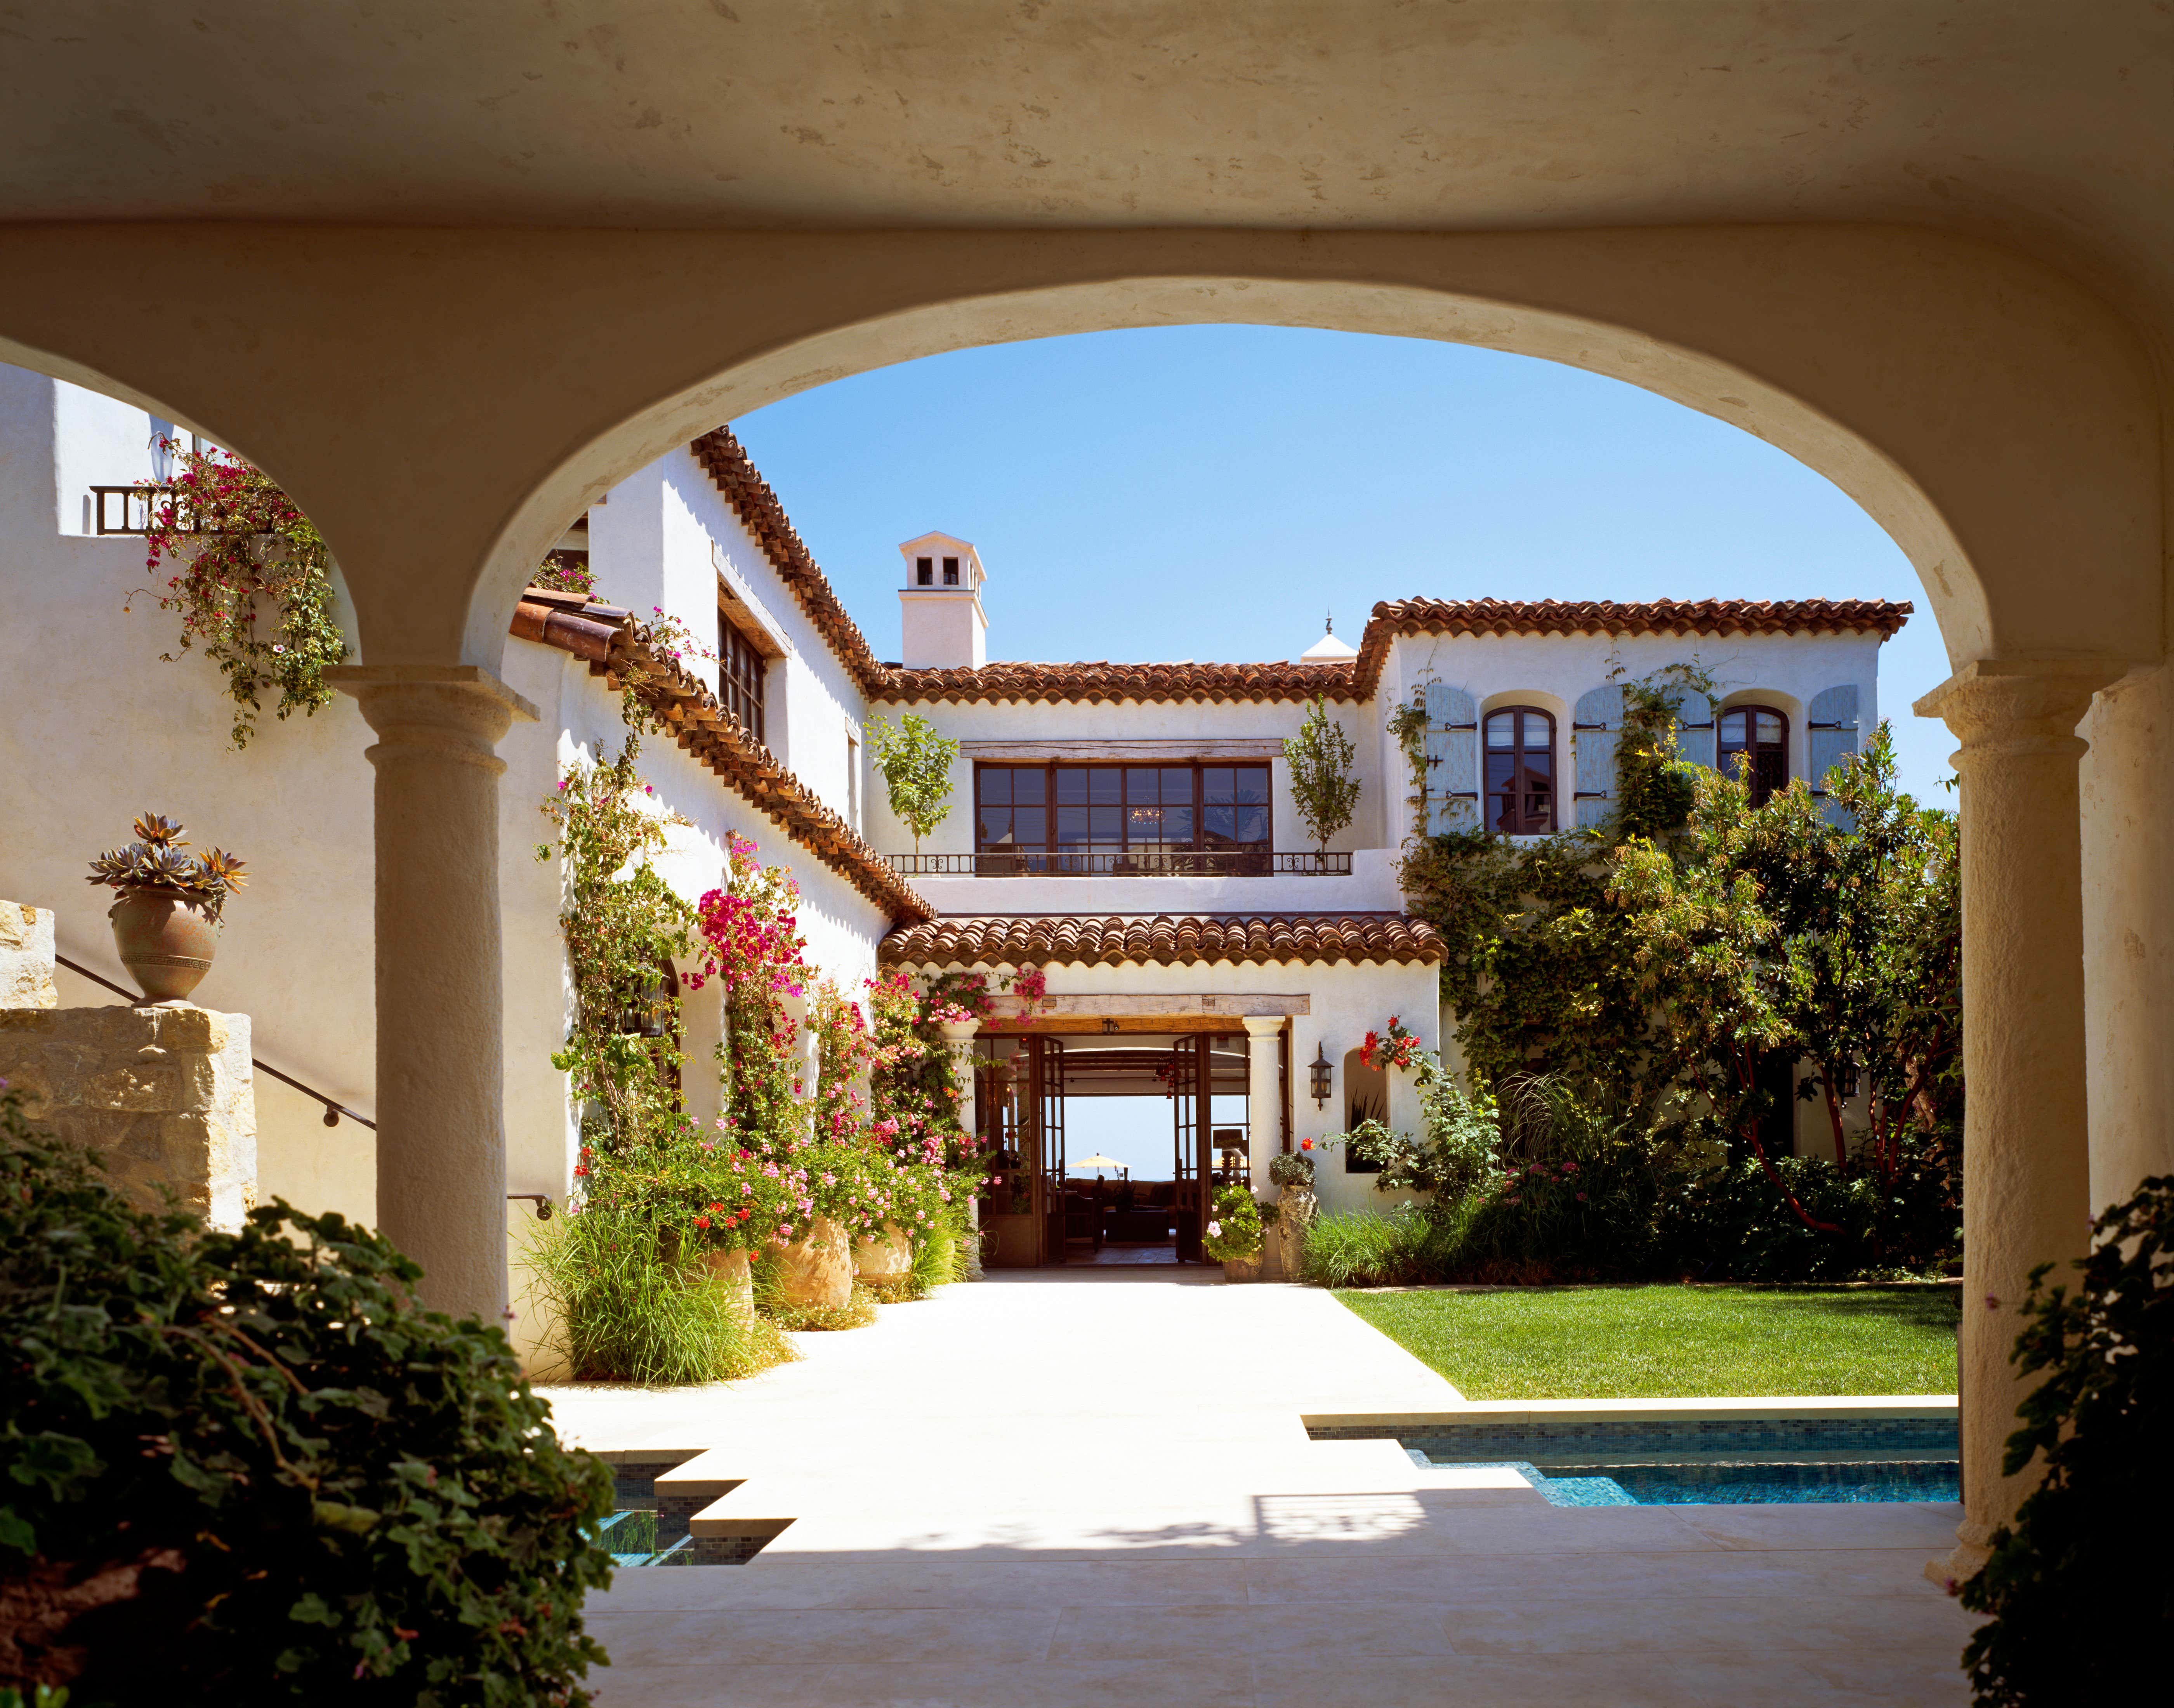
166	922
1234	1235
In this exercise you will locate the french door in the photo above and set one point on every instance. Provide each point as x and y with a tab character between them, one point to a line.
1047	1084
1189	1123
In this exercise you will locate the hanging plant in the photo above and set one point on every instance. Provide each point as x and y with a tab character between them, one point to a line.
252	582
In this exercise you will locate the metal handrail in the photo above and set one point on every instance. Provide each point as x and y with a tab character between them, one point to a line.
1181	862
333	1110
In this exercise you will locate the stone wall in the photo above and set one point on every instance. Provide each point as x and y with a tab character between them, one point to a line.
162	1092
26	957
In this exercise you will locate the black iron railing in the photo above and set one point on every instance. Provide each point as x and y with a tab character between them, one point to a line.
1192	863
332	1110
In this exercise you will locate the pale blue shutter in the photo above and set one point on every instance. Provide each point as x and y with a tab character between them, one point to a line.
1596	726
1453	755
1831	738
1696	735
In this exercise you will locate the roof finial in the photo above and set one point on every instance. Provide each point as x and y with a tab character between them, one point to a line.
1332	622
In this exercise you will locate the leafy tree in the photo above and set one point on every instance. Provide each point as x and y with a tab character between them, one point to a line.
2078	1616
1320	756
1773	929
915	763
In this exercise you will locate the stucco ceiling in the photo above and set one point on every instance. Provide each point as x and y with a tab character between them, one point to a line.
2047	124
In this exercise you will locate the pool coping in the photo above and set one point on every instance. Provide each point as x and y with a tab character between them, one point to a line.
1778	1408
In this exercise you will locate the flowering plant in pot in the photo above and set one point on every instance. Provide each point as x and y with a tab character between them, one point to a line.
166	923
1234	1234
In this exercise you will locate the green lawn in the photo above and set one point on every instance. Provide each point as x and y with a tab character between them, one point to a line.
1662	1342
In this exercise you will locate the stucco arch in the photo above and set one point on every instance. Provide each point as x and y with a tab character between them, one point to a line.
443	403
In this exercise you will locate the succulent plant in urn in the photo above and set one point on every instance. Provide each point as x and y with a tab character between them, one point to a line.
166	922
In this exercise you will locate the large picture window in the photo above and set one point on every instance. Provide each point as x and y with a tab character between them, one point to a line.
1760	735
741	672
1123	818
1520	772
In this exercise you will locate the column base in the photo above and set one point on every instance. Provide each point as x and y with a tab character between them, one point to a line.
1972	1550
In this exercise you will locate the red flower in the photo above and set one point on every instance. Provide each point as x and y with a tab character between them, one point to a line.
701	1221
1305	1144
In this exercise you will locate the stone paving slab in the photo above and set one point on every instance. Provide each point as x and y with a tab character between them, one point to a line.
1063	1490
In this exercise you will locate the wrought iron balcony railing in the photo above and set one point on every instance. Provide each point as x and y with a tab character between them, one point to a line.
1183	862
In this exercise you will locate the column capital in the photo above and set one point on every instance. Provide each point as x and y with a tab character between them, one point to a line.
1262	1025
445	694
2026	702
958	1032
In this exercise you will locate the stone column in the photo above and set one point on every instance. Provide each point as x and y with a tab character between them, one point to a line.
959	1040
440	1003
2026	1164
1264	1099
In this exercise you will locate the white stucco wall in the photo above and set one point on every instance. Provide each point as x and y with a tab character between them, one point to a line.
1552	671
665	538
1132	721
95	728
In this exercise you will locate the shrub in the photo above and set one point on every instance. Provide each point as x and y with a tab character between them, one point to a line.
243	1468
2077	1617
1292	1169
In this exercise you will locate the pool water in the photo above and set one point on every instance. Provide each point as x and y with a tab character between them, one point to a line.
1702	1462
1717	1480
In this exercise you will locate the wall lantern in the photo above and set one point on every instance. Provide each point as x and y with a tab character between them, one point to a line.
1321	1071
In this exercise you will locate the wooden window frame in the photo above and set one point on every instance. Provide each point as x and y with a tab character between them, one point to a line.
1763	788
1049	845
743	675
1521	790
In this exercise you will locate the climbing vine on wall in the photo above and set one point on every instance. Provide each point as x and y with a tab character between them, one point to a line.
1540	966
251	577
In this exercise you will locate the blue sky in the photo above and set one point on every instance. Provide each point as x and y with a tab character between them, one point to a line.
1209	492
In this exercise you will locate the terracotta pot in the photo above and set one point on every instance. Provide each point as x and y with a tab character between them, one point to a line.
816	1270
166	941
1241	1269
729	1272
887	1259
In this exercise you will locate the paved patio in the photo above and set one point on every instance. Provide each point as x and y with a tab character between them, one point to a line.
1094	1488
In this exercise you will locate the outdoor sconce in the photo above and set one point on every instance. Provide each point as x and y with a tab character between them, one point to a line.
1321	1071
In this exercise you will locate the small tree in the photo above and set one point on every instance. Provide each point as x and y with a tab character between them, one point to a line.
915	764
1320	757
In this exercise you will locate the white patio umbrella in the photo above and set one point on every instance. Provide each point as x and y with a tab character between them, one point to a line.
1097	1161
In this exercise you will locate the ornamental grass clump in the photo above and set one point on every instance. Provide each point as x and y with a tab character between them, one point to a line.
244	1467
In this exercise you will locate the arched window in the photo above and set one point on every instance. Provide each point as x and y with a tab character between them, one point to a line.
1520	771
1761	734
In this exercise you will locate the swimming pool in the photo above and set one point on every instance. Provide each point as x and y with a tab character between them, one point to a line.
1706	1462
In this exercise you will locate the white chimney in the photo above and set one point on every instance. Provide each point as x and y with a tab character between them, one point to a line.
940	617
1331	649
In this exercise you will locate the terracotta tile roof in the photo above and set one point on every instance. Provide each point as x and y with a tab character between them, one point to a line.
1716	616
1163	940
605	637
725	461
1112	683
